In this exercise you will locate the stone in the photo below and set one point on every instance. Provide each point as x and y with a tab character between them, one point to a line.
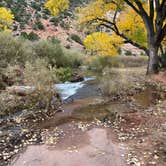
77	78
20	90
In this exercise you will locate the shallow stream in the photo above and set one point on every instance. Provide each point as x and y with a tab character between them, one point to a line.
82	103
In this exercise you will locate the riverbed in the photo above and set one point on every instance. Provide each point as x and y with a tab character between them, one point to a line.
82	132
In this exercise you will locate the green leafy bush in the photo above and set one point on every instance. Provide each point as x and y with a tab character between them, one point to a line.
32	36
76	38
128	53
64	74
13	50
56	55
74	58
53	52
98	63
55	21
64	25
38	25
54	40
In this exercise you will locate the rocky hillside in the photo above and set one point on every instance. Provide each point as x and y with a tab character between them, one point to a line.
32	18
30	12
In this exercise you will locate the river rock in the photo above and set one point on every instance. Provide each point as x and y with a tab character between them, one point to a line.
77	78
20	90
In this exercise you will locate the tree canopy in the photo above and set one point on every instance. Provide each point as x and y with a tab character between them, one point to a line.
6	19
102	43
127	19
55	6
141	23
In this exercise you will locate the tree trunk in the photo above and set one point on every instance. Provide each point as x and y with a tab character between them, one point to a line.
153	61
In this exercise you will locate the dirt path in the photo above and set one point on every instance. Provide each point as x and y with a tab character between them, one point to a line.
91	148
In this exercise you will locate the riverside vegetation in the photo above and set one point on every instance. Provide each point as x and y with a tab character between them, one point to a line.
114	96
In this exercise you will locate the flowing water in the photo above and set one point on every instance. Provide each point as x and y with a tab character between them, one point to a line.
71	91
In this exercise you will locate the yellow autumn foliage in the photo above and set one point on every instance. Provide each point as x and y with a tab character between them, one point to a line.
131	24
6	19
127	24
55	6
103	44
128	21
94	10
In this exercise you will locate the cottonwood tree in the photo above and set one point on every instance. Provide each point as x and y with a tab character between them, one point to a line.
55	6
6	19
141	23
103	44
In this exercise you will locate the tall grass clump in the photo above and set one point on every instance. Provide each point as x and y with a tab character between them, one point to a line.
41	78
98	63
115	84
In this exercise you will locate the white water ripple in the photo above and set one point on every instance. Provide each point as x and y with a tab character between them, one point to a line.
68	89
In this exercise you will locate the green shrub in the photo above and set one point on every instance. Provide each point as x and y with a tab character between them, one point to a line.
100	62
31	36
35	6
56	55
76	38
38	25
53	52
64	25
54	40
74	58
128	53
13	50
64	74
55	21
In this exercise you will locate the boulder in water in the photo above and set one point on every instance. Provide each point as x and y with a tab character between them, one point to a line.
77	78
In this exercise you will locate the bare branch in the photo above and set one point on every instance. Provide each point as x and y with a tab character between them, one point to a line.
143	13
132	6
115	29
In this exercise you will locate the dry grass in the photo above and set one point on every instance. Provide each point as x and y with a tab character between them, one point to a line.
98	63
132	61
